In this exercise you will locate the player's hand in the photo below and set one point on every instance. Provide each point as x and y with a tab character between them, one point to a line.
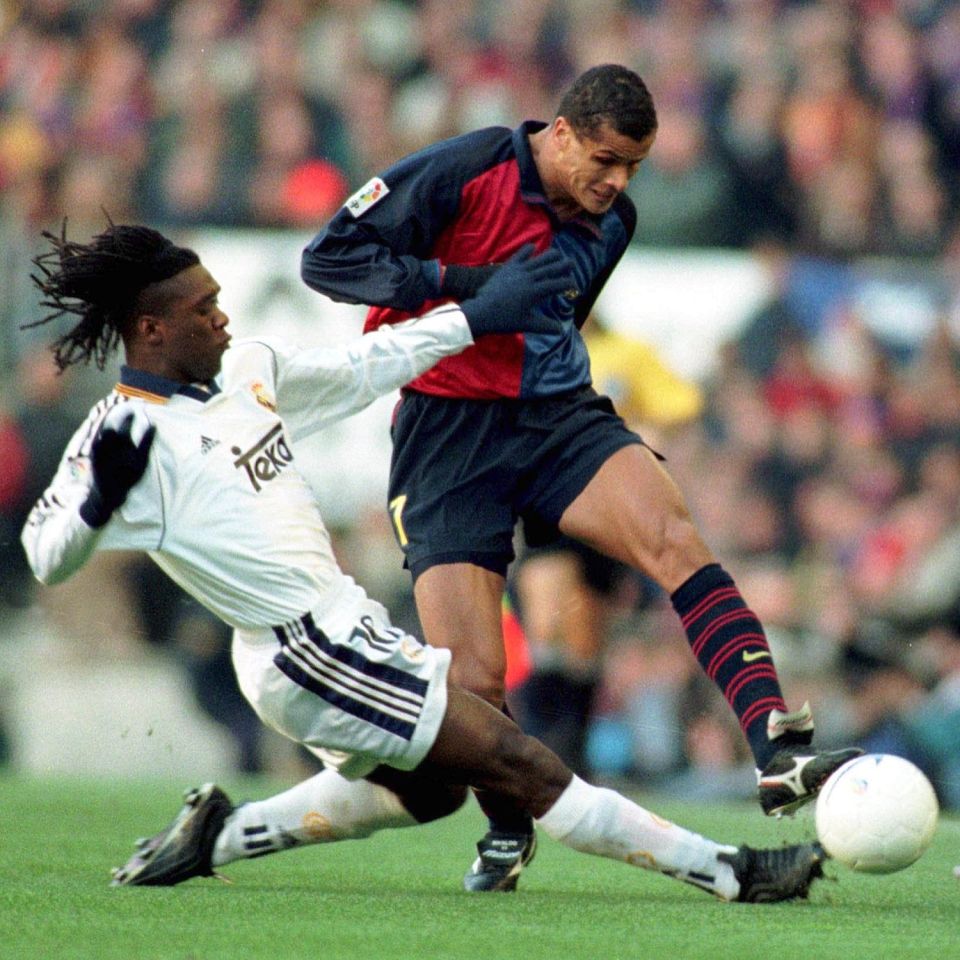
462	283
118	458
505	302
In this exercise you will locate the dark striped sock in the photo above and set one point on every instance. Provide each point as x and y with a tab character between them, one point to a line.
730	645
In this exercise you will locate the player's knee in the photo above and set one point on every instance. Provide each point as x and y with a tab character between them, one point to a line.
531	771
424	797
434	804
680	536
679	550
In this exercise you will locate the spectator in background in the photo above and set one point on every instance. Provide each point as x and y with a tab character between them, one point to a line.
198	164
32	433
683	194
764	202
201	642
299	138
13	474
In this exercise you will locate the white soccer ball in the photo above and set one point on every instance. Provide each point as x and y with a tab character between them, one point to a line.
877	813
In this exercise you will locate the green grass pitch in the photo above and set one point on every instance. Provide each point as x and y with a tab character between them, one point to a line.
397	895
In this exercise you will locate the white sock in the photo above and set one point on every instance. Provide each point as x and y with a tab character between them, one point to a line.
602	822
323	809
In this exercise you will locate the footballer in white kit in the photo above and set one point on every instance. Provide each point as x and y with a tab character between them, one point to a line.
223	460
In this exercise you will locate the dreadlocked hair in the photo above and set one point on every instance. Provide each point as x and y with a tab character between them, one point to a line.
99	282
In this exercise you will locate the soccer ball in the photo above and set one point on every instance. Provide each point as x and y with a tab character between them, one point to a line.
876	813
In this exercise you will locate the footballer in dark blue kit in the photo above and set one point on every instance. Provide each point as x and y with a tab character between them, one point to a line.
511	431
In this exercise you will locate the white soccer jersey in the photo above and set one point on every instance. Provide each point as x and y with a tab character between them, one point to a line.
221	507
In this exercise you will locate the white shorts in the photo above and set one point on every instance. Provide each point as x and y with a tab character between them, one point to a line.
347	685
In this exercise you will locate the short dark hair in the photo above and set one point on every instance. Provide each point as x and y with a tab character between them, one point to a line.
101	282
609	94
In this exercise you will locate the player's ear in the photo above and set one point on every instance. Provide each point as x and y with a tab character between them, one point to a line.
149	328
561	131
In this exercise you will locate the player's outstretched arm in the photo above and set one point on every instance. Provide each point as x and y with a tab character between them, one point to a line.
320	386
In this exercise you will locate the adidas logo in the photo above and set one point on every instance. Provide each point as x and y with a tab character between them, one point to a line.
207	444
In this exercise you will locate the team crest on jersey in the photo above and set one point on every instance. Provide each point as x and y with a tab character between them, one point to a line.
263	398
266	459
370	193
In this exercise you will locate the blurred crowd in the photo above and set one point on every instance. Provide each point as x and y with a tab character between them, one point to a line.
832	125
824	468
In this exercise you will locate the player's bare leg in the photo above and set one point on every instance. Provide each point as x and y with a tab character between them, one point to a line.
459	605
634	512
459	608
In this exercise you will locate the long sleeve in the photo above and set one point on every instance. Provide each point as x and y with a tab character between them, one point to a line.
56	540
383	247
320	386
378	248
351	265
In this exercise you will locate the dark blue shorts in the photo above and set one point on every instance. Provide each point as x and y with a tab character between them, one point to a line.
464	472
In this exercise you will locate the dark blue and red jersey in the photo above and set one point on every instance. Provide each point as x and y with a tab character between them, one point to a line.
470	200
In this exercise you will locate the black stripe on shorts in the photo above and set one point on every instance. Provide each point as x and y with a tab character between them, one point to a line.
373	692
